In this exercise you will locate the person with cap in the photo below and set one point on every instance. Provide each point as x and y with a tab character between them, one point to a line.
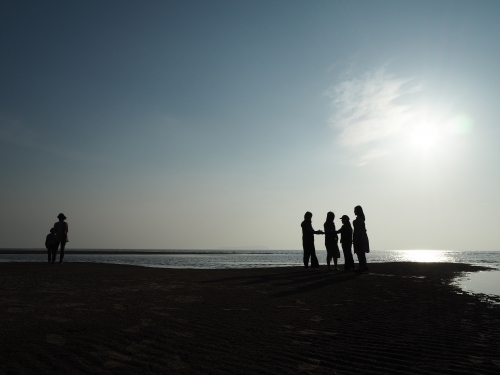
331	238
346	242
50	244
61	230
308	242
360	239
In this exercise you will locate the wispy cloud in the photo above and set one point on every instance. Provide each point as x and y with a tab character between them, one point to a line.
368	109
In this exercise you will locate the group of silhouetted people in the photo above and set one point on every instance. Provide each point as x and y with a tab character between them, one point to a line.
57	237
348	238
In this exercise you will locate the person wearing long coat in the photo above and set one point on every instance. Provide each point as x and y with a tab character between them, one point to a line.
360	238
331	238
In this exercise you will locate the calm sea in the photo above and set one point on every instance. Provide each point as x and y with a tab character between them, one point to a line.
485	282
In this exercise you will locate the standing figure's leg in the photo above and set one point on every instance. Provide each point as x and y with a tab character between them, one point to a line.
54	251
328	256
351	260
336	255
314	258
49	253
348	261
361	260
61	254
307	254
365	262
347	265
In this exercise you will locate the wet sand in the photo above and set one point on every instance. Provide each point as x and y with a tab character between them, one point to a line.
402	318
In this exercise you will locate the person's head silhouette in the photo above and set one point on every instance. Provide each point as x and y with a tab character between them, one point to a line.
308	216
330	216
358	211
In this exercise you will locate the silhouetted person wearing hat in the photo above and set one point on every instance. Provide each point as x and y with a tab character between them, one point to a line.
331	238
360	238
50	244
308	242
61	230
346	241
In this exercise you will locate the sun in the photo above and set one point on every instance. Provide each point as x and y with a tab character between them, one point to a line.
425	137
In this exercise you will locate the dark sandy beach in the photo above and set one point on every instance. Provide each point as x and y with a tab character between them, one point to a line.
402	318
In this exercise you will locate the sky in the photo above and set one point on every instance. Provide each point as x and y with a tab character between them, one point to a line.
218	124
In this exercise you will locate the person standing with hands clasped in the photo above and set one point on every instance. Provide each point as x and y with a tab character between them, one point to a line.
360	239
61	229
308	242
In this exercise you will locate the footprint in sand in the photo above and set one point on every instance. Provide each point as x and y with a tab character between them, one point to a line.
55	339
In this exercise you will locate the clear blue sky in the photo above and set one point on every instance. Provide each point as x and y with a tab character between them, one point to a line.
210	124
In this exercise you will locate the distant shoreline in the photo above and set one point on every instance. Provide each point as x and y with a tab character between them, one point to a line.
134	252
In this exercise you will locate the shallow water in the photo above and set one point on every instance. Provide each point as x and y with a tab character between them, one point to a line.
482	282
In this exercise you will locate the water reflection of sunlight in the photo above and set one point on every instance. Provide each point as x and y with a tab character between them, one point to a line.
425	256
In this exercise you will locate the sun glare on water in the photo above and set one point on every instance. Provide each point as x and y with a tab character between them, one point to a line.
425	256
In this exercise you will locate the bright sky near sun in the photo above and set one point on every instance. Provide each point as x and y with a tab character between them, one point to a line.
218	124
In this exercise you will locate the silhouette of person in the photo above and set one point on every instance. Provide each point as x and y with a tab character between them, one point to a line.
360	238
50	244
308	242
61	230
331	238
346	242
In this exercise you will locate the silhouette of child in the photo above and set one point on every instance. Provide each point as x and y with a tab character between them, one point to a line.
346	241
308	242
50	243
